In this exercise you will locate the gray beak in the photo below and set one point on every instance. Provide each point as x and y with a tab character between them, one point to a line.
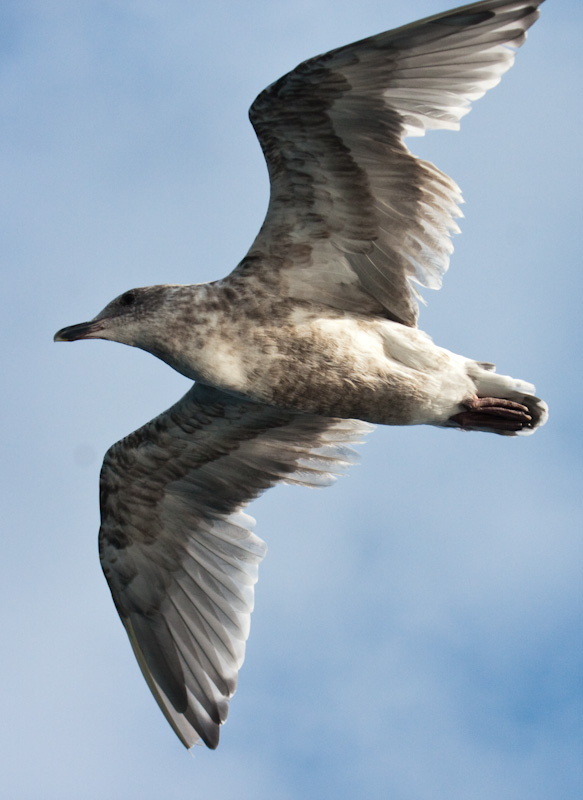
84	330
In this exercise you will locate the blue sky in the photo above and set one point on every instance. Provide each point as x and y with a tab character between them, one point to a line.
417	632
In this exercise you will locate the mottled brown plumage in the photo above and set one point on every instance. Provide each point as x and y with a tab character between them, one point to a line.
310	337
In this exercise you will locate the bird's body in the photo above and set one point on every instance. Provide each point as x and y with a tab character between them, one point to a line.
313	335
256	343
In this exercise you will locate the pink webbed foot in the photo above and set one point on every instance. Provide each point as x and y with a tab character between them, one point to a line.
493	414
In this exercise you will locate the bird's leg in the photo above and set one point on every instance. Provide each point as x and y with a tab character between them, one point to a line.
494	413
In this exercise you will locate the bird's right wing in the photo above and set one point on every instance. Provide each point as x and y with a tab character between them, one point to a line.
177	551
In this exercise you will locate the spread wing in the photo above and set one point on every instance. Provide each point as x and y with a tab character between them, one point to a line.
178	553
354	220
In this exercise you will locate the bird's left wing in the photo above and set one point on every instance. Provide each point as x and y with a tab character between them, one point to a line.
355	221
177	551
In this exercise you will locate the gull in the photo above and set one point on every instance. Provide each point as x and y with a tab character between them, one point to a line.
311	338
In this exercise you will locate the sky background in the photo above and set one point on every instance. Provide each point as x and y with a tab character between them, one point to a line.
417	629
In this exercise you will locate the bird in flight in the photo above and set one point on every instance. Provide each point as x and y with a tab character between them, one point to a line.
312	337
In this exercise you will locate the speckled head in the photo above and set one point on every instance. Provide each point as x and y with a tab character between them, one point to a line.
169	321
124	319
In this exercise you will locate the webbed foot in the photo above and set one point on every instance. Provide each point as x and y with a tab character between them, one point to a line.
493	414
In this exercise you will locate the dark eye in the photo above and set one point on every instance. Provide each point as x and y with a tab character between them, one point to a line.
128	298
